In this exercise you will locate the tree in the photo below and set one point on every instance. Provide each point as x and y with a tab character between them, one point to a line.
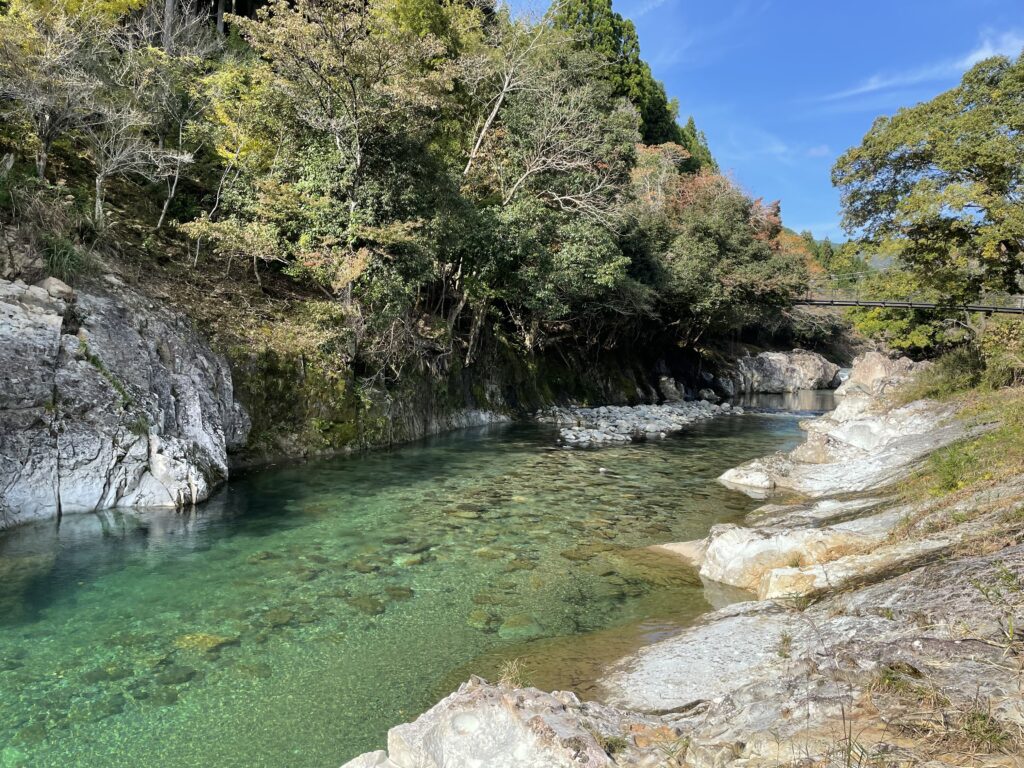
565	141
725	268
504	66
348	72
942	183
594	26
45	76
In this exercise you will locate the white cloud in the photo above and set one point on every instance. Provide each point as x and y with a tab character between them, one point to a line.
1006	44
645	8
821	150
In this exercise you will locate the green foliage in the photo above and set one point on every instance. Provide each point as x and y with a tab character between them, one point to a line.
1002	348
952	467
442	174
594	26
918	332
956	371
722	267
63	258
940	183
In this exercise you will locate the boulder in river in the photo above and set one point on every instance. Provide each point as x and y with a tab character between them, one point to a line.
775	372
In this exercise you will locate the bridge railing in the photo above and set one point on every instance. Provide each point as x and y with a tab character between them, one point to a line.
841	290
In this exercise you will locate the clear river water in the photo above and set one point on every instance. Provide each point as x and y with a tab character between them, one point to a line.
295	617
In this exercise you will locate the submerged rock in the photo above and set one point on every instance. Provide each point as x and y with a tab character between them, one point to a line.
521	626
107	399
371	606
204	642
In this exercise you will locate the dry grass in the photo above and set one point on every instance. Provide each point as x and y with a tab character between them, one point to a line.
512	674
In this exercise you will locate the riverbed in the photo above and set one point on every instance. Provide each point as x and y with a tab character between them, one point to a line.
295	617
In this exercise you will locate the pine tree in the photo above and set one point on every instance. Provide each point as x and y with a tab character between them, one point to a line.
596	26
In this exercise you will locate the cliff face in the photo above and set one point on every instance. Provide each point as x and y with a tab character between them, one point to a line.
107	399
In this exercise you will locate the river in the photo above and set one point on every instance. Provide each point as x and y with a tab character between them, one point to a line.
295	617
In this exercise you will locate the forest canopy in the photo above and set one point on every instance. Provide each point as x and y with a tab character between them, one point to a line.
443	172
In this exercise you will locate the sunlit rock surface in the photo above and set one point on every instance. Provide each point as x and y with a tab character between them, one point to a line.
773	372
107	399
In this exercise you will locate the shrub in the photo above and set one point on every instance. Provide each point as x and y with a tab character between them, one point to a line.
953	467
957	370
63	258
1002	348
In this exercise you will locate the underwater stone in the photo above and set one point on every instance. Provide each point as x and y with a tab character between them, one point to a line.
371	606
176	675
279	617
521	626
398	593
204	642
481	619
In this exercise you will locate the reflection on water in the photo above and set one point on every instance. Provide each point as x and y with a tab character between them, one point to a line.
809	402
304	610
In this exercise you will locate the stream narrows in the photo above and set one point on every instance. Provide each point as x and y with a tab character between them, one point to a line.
304	610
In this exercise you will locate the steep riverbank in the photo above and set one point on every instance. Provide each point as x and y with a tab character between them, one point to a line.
886	629
118	393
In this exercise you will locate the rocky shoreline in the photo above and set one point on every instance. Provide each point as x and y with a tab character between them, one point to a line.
868	639
617	424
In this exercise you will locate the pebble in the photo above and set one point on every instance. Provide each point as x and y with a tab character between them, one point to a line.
620	424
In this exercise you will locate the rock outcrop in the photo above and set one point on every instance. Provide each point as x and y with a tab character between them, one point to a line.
876	375
858	446
774	372
107	399
501	727
910	665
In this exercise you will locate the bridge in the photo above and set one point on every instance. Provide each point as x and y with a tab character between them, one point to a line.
828	292
818	301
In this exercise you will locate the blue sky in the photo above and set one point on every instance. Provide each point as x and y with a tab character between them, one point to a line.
783	87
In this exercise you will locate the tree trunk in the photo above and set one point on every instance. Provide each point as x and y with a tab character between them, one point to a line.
97	212
220	17
170	7
172	188
505	86
42	156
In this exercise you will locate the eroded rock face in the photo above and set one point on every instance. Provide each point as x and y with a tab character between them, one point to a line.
758	682
498	727
875	374
107	399
774	372
854	448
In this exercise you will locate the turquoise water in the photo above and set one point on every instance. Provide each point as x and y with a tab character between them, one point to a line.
305	609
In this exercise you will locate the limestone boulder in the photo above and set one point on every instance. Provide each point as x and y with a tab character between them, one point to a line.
500	727
775	372
875	374
107	399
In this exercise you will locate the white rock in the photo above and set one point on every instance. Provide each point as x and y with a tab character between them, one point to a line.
773	372
56	288
133	409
